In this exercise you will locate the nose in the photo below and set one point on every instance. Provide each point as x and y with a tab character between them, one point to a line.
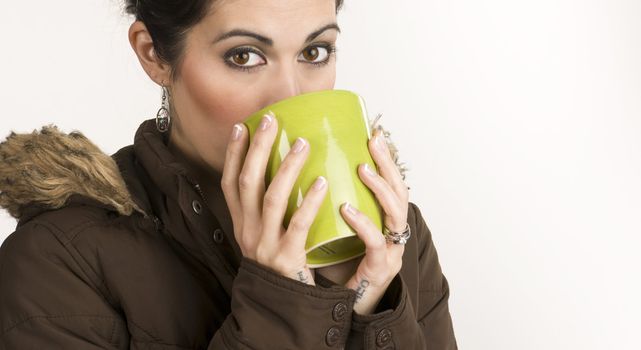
285	82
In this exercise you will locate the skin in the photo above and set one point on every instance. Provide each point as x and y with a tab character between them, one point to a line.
210	99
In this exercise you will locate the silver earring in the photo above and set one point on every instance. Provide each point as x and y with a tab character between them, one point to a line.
163	118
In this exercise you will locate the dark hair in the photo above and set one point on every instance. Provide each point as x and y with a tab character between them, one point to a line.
168	22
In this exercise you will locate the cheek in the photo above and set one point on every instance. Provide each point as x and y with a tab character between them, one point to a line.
214	95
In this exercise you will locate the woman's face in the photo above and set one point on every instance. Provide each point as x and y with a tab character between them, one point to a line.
243	56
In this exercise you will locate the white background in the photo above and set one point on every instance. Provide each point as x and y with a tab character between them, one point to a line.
520	122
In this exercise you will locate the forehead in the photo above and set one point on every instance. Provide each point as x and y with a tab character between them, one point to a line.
278	19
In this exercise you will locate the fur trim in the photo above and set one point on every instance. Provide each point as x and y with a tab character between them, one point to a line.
48	167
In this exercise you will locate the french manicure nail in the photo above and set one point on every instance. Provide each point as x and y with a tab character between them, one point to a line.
319	183
378	141
266	121
349	208
235	135
368	170
299	145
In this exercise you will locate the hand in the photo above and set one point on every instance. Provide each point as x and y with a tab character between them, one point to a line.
257	214
382	260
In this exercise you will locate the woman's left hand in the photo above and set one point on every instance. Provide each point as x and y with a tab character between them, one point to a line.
382	260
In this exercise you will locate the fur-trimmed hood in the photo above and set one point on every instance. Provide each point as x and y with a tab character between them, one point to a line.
47	167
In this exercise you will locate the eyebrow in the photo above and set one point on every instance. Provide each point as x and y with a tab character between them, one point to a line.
269	42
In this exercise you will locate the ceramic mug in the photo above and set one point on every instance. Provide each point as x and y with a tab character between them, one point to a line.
336	127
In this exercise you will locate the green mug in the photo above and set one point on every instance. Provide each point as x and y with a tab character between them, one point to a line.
335	124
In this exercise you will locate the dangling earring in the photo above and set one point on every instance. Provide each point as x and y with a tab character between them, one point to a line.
163	118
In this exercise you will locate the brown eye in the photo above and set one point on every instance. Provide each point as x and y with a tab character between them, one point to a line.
244	58
311	54
314	54
241	58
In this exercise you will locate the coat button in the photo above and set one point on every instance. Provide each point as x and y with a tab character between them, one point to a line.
157	222
338	314
219	237
333	336
384	336
197	206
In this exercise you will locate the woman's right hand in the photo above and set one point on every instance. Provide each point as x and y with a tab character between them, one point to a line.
258	214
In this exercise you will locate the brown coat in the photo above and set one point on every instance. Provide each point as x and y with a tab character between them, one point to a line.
123	252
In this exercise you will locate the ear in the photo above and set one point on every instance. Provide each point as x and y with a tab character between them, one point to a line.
143	45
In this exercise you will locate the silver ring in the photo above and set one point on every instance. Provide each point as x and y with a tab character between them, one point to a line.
397	237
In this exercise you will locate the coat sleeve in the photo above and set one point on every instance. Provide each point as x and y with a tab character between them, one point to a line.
48	300
270	311
396	323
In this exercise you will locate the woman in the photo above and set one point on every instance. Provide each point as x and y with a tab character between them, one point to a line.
175	243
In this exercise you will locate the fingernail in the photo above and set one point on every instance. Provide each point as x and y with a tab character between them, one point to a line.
266	121
368	170
299	145
319	183
378	136
350	209
378	142
235	134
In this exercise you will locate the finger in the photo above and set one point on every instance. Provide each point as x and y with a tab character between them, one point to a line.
303	218
395	254
251	180
234	158
387	167
277	195
385	196
375	245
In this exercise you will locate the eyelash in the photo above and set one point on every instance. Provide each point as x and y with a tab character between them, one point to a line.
331	50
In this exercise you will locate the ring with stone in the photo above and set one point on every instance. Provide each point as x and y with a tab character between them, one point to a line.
397	237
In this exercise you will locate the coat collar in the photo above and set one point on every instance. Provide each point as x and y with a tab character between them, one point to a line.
163	185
